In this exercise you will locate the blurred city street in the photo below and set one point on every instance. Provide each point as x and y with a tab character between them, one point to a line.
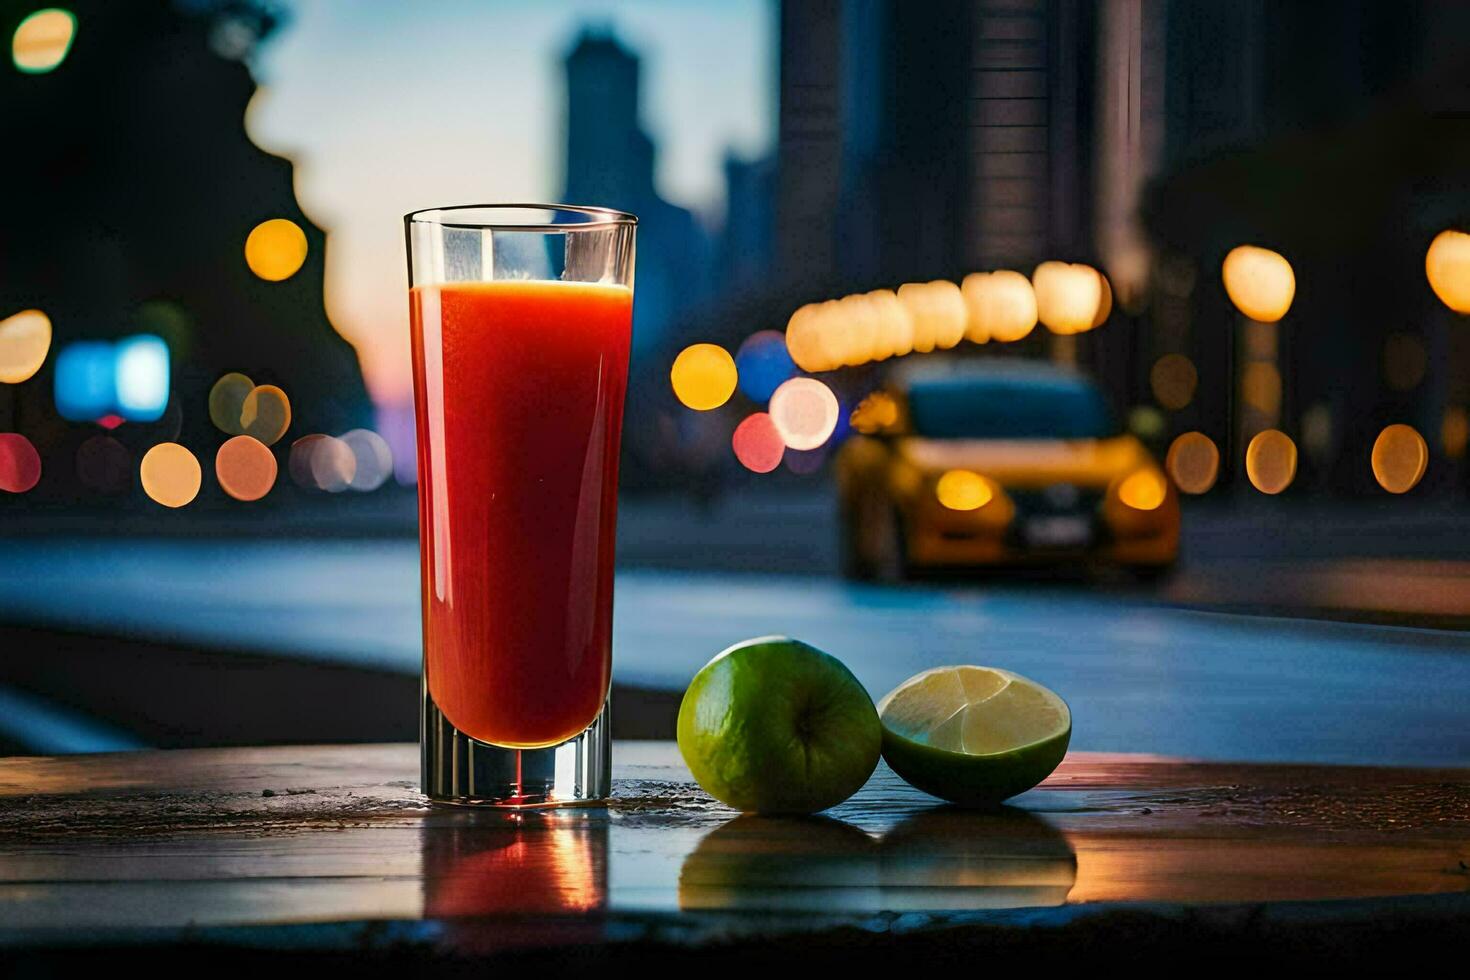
1216	663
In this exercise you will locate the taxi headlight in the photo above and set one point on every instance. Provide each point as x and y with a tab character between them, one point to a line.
1144	490
964	490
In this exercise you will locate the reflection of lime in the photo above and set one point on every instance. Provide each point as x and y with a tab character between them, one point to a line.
948	858
973	735
773	725
809	863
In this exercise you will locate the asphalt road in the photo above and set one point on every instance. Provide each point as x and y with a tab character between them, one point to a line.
1141	676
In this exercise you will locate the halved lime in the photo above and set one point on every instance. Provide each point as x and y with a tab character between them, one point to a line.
973	735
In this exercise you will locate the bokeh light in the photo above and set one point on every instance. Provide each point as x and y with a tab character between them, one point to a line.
265	414
245	468
1173	379
875	413
762	363
322	462
758	443
141	382
1147	422
1404	361
1260	282
1270	461
963	490
1193	462
805	412
893	324
704	376
937	313
227	402
805	462
170	474
20	464
104	465
1454	431
25	339
167	319
1261	387
372	459
1105	304
275	249
1400	457
1447	264
1143	490
1317	433
853	330
1001	306
1069	296
85	380
97	378
42	40
807	337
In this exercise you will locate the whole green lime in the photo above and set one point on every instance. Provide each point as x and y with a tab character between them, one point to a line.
773	725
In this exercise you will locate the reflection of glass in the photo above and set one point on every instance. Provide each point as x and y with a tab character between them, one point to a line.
941	859
521	317
540	864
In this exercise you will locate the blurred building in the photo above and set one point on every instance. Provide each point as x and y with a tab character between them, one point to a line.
745	248
1338	136
133	188
925	140
610	161
1148	137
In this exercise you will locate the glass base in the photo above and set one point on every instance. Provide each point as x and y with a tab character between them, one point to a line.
458	769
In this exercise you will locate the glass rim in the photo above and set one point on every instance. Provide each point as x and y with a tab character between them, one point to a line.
596	218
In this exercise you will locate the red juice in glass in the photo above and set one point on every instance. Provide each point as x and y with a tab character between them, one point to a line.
520	388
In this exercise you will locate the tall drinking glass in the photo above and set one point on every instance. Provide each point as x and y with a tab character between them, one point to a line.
521	317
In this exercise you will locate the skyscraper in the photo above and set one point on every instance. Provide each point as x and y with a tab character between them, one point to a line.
610	162
921	140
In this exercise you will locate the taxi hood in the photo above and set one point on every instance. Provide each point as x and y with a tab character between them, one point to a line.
1029	462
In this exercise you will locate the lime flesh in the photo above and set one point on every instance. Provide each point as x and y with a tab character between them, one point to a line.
973	735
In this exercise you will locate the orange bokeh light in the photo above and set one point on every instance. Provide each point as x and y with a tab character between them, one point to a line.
1260	282
170	474
245	468
1193	461
265	414
1270	461
275	249
1400	457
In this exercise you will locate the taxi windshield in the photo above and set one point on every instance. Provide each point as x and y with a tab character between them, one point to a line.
1004	407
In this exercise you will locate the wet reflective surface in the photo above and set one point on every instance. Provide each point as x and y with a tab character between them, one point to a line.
225	837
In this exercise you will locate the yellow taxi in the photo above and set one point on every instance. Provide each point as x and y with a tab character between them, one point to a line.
975	464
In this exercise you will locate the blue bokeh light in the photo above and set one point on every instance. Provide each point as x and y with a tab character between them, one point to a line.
763	363
95	378
85	383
